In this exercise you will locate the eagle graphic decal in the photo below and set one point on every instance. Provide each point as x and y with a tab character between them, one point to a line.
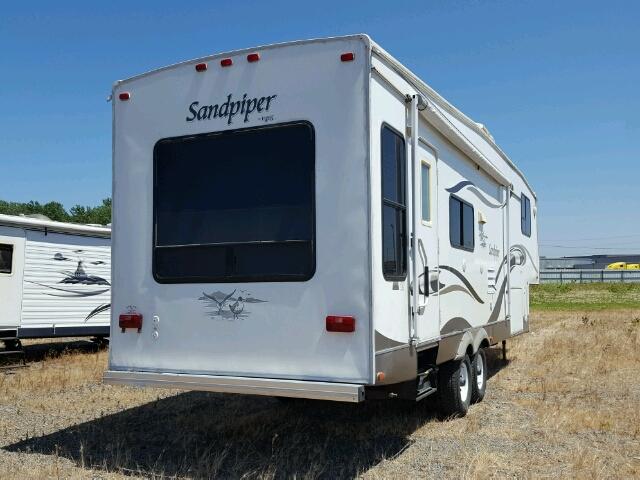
230	306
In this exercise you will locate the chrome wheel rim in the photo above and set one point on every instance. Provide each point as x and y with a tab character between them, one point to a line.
464	381
480	372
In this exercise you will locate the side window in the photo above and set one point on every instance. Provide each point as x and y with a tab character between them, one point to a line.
394	205
461	224
6	258
525	215
426	192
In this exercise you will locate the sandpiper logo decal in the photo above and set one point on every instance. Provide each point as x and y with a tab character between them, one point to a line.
229	305
230	108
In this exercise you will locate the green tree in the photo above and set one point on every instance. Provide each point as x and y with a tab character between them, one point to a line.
56	211
85	214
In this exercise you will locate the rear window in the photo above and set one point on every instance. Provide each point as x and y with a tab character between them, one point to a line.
235	206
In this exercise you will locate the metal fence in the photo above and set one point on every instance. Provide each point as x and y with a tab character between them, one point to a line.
590	276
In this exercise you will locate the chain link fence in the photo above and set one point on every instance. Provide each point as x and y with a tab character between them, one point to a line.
590	276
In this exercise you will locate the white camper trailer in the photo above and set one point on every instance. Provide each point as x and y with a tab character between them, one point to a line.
54	279
274	209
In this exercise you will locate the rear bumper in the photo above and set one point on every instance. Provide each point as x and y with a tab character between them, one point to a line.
340	392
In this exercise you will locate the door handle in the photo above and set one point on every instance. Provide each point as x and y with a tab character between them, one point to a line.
427	281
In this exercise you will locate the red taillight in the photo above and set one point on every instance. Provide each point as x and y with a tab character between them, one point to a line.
201	67
341	323
347	57
226	62
253	57
130	320
124	96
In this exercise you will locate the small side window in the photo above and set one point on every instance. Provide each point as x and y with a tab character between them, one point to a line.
461	224
525	215
6	258
426	192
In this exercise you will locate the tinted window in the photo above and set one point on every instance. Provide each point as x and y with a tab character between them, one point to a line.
525	215
394	258
393	172
6	258
426	193
467	226
455	225
235	206
461	224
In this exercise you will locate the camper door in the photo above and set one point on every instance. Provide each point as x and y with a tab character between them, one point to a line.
11	270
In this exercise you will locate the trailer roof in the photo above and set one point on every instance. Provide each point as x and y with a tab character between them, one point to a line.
487	143
30	223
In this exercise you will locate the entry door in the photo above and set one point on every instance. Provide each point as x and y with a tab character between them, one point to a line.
428	316
11	268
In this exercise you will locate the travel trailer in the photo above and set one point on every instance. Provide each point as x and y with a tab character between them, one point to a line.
55	280
310	219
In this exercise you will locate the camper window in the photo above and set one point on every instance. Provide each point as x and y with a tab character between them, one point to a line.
394	261
461	224
235	206
525	215
426	192
6	257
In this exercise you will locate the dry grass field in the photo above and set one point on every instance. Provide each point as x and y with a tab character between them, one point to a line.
567	405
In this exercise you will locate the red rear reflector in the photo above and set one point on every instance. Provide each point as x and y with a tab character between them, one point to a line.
339	323
253	57
226	62
201	67
130	320
124	96
347	57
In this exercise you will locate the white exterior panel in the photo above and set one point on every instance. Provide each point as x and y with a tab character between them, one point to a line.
67	280
284	336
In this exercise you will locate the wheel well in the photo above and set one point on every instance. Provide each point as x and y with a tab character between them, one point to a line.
470	350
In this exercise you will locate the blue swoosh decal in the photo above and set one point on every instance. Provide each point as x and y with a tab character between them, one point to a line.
464	281
459	186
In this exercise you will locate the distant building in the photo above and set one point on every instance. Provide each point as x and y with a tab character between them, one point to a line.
598	262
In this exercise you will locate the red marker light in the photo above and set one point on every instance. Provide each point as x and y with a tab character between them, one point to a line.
201	67
347	57
341	323
130	320
124	96
226	62
253	57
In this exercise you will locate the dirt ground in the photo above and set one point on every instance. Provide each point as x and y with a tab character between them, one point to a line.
567	405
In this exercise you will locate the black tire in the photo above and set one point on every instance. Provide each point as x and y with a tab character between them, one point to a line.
12	344
452	401
479	374
101	342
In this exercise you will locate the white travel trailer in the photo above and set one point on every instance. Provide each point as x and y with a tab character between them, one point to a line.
274	208
54	279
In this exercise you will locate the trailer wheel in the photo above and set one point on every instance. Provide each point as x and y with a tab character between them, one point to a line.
13	344
454	387
479	370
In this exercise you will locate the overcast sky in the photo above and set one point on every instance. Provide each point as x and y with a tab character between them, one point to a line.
556	83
